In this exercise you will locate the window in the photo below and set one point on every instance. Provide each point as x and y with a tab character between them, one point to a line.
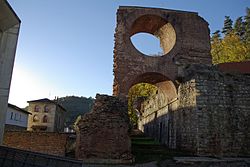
15	118
59	122
46	108
45	119
35	118
20	117
37	108
11	116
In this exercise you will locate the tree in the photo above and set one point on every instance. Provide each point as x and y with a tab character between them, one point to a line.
235	45
216	36
229	49
75	106
79	117
227	25
239	28
138	91
216	47
234	49
247	26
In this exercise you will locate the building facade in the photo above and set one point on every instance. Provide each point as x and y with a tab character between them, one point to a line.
16	118
46	116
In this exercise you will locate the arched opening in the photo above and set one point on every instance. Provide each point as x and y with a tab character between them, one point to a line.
152	107
147	44
35	118
46	108
45	119
36	108
136	96
152	25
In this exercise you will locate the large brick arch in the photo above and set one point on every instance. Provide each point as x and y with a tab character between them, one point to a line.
163	83
184	37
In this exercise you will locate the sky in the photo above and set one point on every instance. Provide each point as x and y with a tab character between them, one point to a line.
65	47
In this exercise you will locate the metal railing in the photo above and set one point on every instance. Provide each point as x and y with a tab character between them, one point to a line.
11	157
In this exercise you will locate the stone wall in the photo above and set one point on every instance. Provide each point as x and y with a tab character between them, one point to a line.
223	105
185	117
156	118
103	133
42	142
212	117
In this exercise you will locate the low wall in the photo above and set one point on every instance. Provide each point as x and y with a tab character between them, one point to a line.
42	142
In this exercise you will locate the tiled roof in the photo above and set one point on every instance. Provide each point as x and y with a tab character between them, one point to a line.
46	100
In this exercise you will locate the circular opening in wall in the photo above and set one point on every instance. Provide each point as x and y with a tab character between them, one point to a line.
152	35
147	44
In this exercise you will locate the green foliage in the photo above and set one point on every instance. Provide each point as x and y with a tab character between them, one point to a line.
138	92
227	25
239	27
247	26
229	49
235	45
75	106
76	122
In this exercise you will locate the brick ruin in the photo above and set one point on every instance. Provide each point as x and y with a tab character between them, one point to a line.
43	142
211	115
184	37
199	107
103	133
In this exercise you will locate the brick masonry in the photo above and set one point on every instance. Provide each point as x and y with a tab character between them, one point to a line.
103	133
42	142
187	31
200	108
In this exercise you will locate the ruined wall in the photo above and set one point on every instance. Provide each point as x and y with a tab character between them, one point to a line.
223	104
186	117
43	142
214	112
187	33
172	126
212	117
152	120
103	133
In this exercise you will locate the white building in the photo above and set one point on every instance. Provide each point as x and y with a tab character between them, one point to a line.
16	118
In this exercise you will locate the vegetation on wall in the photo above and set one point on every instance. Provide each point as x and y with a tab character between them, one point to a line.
232	43
137	93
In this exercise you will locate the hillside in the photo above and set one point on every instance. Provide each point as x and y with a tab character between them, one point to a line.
75	106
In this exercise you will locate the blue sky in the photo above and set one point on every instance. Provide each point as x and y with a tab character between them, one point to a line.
65	47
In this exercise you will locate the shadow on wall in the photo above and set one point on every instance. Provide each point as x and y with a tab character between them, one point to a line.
183	129
175	129
210	116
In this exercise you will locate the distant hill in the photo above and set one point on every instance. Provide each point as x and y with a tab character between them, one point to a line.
75	106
